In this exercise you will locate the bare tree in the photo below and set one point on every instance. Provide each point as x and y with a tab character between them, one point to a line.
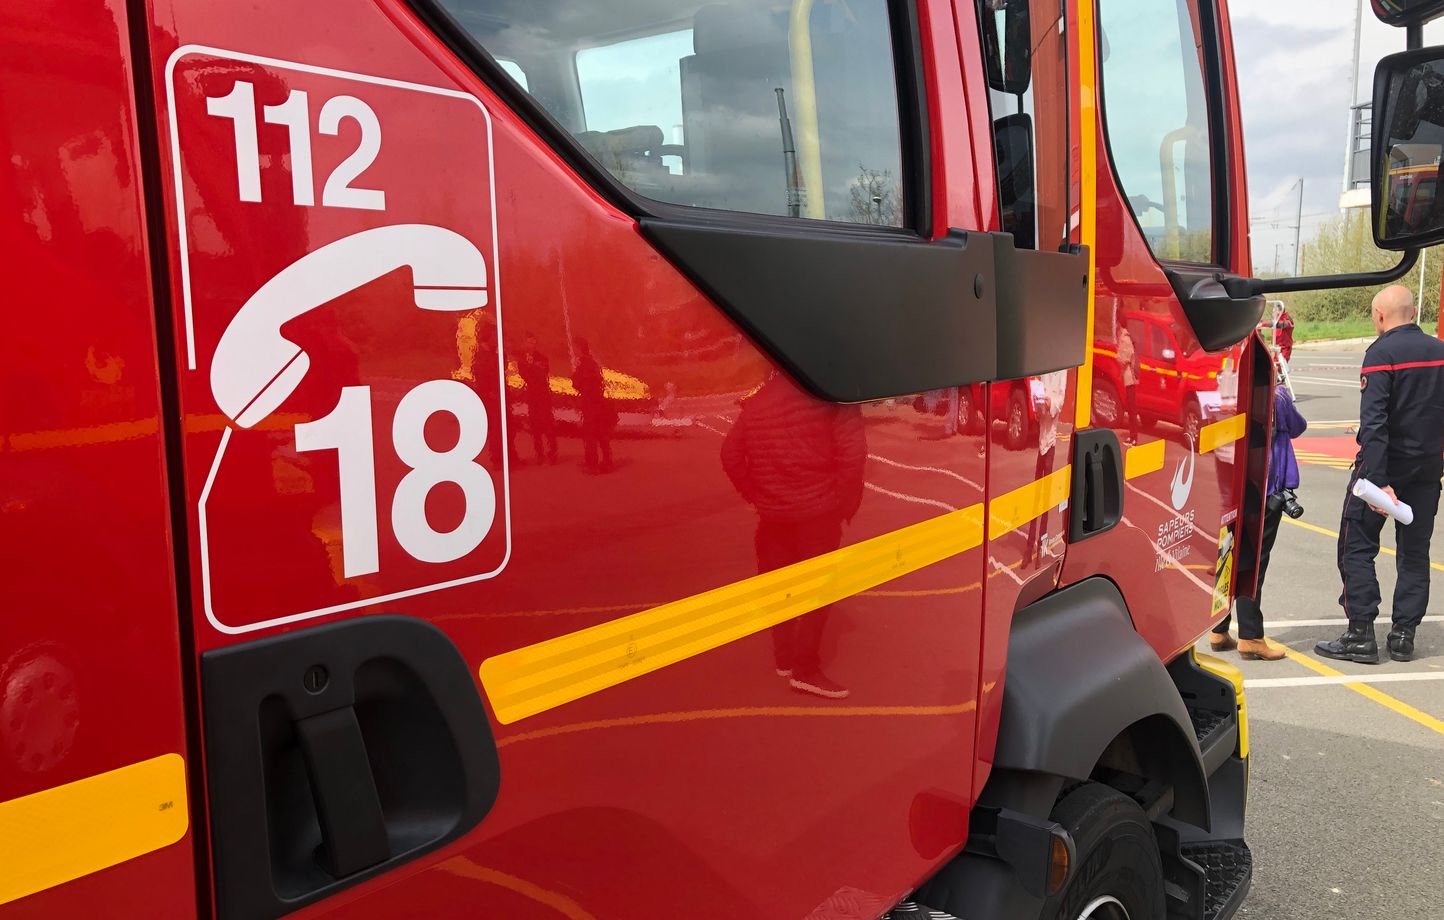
874	198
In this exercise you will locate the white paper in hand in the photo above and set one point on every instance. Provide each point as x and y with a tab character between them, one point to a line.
1379	499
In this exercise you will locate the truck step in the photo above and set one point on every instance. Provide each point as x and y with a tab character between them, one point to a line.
1217	734
1228	865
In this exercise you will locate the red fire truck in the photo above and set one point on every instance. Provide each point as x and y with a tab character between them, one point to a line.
459	460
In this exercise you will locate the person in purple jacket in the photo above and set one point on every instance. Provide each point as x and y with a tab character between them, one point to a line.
1283	478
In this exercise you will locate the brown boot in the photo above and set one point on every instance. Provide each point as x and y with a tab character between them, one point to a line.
1221	642
1259	650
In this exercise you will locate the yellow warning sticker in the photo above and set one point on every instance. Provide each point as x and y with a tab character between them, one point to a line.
1223	579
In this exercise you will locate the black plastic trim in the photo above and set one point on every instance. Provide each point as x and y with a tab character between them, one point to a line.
337	753
913	122
1097	498
853	316
1042	309
857	316
1218	318
1323	282
1078	676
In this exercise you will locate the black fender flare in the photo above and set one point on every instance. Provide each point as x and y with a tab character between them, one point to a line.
1078	678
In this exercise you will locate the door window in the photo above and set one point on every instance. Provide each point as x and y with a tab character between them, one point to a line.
755	106
1156	118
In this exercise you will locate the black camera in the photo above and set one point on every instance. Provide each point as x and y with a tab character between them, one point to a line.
1291	505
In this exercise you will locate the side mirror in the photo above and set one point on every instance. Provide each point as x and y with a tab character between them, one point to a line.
1008	45
1407	149
1407	12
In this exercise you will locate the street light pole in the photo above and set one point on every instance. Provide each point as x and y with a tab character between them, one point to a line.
1298	226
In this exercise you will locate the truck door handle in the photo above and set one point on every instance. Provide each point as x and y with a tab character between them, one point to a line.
348	808
1097	500
336	753
1094	489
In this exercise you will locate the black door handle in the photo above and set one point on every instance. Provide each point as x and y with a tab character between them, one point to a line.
336	753
1097	499
353	830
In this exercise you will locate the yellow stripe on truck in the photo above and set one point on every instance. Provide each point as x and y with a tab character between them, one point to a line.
1020	506
548	674
551	673
1088	194
1143	459
1219	434
57	835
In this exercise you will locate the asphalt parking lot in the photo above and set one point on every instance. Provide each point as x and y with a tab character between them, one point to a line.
1346	809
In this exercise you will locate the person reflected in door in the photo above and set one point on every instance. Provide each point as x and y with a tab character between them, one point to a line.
1048	392
799	462
1128	369
535	372
598	416
1283	478
486	378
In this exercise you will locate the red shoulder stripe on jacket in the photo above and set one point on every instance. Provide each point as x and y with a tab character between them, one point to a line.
1399	367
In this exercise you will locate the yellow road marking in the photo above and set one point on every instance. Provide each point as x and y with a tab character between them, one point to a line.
739	712
1142	459
1217	434
57	835
1383	699
1333	533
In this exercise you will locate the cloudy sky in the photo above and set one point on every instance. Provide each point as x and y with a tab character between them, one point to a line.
1294	60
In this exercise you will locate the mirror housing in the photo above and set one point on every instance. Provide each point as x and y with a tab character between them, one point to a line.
1407	12
1408	150
1007	45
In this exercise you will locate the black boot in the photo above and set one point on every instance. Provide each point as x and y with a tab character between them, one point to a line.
1401	642
1356	644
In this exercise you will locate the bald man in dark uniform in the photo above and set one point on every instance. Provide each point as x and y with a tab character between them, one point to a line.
1401	438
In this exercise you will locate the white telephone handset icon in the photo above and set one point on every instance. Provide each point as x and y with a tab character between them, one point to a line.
255	368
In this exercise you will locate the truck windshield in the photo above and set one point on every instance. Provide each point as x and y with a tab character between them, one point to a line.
767	107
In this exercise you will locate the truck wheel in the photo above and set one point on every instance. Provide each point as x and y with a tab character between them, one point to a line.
1192	422
1118	874
1107	407
1017	431
966	421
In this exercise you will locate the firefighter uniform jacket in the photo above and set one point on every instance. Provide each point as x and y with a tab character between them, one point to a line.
1401	407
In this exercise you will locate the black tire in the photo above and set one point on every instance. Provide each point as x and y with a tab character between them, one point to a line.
1117	858
1192	422
967	421
1017	423
1107	406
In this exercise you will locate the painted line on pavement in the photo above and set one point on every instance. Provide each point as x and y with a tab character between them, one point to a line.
1336	621
1335	534
1254	683
1320	381
1364	690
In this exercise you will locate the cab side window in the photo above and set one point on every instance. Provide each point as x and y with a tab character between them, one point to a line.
748	105
1157	122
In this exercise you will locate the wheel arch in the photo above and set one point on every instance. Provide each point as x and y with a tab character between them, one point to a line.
1083	690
